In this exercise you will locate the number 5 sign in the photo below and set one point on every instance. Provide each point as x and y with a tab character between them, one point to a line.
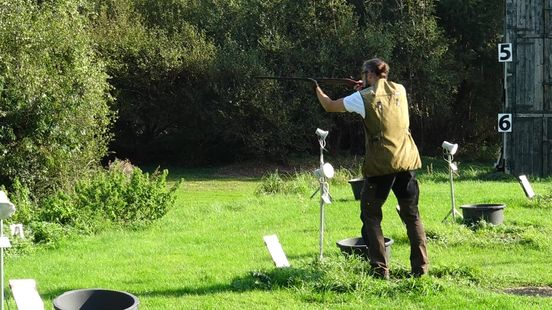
504	122
505	52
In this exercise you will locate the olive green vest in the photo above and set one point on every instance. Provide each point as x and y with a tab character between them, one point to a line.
389	144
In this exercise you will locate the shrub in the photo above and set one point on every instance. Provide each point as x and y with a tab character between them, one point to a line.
117	195
46	232
121	196
22	199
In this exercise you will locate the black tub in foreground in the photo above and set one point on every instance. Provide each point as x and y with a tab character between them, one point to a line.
96	299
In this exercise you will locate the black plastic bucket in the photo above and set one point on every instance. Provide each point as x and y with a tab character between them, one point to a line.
357	246
96	299
490	213
356	185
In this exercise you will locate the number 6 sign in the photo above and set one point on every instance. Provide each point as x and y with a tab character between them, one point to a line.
505	122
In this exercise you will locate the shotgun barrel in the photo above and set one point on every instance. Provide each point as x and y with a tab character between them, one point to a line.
334	81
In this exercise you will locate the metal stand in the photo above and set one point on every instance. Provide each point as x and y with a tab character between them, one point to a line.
325	197
6	210
4	243
452	168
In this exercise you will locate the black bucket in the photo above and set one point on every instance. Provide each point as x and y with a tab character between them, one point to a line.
96	299
357	246
356	185
490	213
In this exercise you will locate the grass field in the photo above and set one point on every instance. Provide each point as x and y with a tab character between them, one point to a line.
208	252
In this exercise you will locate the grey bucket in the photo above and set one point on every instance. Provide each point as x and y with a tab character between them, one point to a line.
356	186
357	246
96	299
490	213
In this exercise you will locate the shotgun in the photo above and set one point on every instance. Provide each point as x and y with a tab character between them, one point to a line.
332	81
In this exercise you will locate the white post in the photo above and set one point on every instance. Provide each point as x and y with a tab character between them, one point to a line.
6	210
504	137
322	180
506	103
324	173
2	262
453	208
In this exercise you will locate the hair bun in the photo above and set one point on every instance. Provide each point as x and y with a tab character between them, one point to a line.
378	66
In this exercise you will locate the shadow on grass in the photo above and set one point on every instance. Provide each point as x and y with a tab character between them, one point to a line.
335	274
342	276
346	200
255	280
177	292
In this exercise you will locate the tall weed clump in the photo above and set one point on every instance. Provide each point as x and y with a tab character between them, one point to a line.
298	183
542	200
275	183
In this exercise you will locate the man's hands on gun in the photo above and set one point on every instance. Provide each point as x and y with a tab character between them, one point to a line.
357	84
314	83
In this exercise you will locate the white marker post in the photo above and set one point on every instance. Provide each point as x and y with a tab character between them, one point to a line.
526	186
6	210
276	251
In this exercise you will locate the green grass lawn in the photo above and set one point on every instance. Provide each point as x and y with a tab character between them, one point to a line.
208	251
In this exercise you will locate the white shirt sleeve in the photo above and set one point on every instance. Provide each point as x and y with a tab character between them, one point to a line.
354	103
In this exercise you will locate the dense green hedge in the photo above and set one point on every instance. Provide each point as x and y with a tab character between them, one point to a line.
56	115
54	100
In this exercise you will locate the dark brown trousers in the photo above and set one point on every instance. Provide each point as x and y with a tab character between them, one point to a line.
374	193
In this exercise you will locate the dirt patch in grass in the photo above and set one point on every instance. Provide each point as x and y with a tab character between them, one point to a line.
542	291
256	169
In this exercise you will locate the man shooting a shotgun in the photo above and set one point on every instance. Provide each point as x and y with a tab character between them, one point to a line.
389	164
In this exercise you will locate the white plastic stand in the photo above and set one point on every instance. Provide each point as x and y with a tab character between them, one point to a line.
324	189
452	168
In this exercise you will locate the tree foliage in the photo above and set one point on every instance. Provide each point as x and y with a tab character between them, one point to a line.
474	28
202	103
182	73
54	101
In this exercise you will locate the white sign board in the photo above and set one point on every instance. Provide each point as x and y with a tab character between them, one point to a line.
526	186
25	294
504	122
505	52
276	251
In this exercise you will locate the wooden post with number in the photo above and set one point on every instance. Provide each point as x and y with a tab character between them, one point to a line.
505	56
